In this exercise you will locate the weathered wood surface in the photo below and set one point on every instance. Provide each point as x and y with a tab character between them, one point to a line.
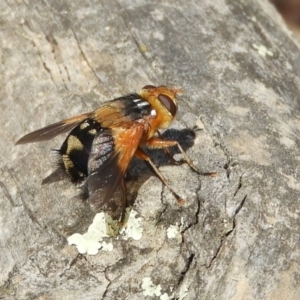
240	232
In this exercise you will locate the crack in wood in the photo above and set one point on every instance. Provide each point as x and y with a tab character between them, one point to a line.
228	163
190	260
84	56
139	46
10	276
24	25
57	57
224	236
239	186
197	212
7	195
110	282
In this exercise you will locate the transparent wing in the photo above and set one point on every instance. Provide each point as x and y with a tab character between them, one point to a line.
111	154
50	131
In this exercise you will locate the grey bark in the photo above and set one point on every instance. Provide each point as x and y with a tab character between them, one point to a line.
240	230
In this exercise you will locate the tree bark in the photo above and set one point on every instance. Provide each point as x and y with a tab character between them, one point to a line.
238	232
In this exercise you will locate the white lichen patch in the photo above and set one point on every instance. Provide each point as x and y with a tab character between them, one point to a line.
183	292
91	241
104	226
173	230
133	228
150	289
165	296
263	50
84	244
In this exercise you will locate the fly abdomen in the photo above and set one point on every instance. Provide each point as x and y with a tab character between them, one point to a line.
75	150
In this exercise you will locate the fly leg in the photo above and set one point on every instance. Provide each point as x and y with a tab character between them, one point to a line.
168	153
156	143
140	154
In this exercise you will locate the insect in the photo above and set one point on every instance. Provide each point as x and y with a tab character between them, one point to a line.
102	143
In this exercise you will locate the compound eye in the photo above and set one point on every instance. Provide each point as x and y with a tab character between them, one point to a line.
149	87
168	103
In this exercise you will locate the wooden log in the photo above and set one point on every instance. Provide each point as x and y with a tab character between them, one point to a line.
238	233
